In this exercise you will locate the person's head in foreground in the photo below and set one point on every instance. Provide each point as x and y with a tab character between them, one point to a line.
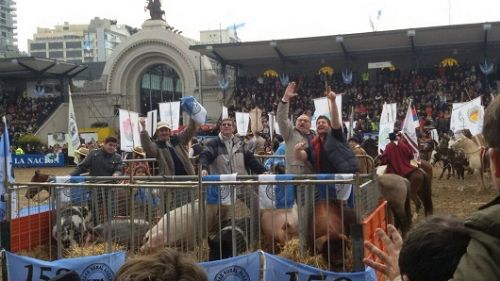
433	249
163	265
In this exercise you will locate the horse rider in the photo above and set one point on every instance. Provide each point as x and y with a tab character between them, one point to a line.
365	165
397	156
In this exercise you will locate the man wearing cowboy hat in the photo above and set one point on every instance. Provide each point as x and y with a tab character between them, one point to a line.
397	156
170	151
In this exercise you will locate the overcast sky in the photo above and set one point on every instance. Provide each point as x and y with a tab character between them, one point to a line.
263	20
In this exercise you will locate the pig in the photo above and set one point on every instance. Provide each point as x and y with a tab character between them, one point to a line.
279	225
75	226
221	244
329	239
120	231
182	222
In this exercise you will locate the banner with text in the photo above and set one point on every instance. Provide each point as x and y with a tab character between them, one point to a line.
245	267
38	160
103	267
278	268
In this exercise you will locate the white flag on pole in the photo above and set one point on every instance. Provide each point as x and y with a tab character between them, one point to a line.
242	122
151	121
74	137
170	113
409	130
468	115
387	119
322	108
225	113
129	130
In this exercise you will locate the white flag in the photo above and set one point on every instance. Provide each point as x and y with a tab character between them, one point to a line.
129	130
409	130
468	115
151	121
170	113
242	122
74	137
225	113
387	119
321	106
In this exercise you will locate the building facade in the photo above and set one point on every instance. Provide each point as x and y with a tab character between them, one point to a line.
8	26
78	43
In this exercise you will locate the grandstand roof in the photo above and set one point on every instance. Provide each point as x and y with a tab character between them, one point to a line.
293	51
31	67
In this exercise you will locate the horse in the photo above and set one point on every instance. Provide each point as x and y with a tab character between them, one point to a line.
475	153
396	190
371	147
420	186
34	191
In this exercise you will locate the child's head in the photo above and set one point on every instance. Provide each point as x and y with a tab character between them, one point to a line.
141	170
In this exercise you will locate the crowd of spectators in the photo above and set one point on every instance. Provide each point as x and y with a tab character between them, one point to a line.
432	91
26	114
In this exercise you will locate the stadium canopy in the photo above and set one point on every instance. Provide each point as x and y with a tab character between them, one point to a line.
37	68
461	39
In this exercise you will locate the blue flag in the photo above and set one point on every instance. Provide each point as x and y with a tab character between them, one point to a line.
103	267
6	172
277	196
335	191
220	194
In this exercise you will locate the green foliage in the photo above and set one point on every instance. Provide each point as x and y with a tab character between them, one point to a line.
30	139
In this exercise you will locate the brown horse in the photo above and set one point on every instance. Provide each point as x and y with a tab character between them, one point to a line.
37	177
421	187
396	190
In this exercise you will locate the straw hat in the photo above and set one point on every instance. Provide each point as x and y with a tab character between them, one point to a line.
82	151
163	124
139	150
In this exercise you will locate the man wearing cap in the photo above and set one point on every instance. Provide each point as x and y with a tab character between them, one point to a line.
365	165
397	157
171	152
101	162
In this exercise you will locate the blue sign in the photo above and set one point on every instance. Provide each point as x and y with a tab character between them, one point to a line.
38	160
278	268
241	268
103	267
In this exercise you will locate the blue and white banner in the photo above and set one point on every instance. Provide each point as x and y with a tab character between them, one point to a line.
273	196
220	194
73	194
39	160
278	268
194	109
103	267
335	191
244	268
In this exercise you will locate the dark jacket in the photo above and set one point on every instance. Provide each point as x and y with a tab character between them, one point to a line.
160	150
481	261
217	160
99	163
337	156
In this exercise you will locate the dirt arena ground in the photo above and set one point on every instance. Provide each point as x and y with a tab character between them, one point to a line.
447	195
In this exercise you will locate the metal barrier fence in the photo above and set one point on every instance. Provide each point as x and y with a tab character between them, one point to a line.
180	212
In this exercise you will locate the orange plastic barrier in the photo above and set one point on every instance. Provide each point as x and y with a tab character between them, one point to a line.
377	219
30	231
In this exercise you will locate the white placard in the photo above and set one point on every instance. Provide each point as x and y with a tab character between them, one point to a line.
170	113
242	122
129	130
